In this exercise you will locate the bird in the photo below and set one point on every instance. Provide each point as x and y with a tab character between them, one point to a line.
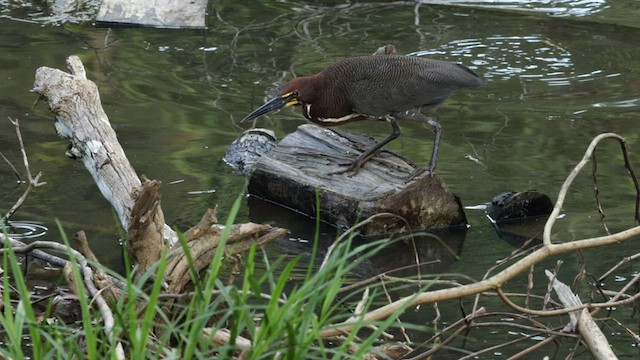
383	86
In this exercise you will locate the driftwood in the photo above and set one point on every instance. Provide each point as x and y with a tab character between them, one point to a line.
300	165
582	321
160	13
80	118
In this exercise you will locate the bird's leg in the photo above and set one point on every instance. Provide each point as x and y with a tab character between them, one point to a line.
437	129
368	154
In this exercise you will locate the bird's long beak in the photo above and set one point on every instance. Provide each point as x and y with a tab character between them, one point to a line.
277	103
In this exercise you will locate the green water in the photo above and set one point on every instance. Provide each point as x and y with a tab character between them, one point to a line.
555	79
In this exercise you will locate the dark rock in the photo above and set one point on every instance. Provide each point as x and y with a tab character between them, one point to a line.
518	205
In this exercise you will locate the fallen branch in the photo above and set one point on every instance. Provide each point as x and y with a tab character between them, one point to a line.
96	295
494	282
591	334
81	119
87	274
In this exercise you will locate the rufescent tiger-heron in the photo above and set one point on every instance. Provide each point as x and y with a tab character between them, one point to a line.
386	87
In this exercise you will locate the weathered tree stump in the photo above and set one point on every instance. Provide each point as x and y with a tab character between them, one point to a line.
300	165
80	118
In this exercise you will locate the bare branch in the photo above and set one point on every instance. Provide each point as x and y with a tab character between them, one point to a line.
567	183
33	182
87	274
591	333
492	283
625	260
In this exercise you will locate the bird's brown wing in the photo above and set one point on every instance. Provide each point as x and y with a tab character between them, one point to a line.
383	85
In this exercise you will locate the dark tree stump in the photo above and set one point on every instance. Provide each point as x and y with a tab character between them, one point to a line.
300	165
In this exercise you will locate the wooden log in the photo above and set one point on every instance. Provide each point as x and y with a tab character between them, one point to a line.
172	14
80	118
299	166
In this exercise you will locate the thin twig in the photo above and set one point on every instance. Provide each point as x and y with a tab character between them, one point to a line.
33	182
514	254
533	348
596	190
442	344
634	178
385	275
635	336
529	286
565	310
461	322
547	295
499	346
621	293
87	273
15	171
624	261
545	330
402	328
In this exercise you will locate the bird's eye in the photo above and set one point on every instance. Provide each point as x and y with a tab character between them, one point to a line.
296	93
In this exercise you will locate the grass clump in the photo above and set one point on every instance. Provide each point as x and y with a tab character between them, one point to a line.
260	314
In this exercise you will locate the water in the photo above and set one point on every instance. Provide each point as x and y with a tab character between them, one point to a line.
558	73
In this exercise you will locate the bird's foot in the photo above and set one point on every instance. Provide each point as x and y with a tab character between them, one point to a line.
351	167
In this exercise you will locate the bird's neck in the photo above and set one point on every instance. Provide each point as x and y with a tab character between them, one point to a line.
325	105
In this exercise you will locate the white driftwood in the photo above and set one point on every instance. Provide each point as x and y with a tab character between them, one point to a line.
81	119
173	14
582	321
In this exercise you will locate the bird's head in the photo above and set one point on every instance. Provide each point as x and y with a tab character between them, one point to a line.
290	94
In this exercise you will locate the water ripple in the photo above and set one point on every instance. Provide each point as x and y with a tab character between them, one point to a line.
24	229
503	57
619	104
557	8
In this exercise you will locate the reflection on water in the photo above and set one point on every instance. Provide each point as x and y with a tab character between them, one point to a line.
418	253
